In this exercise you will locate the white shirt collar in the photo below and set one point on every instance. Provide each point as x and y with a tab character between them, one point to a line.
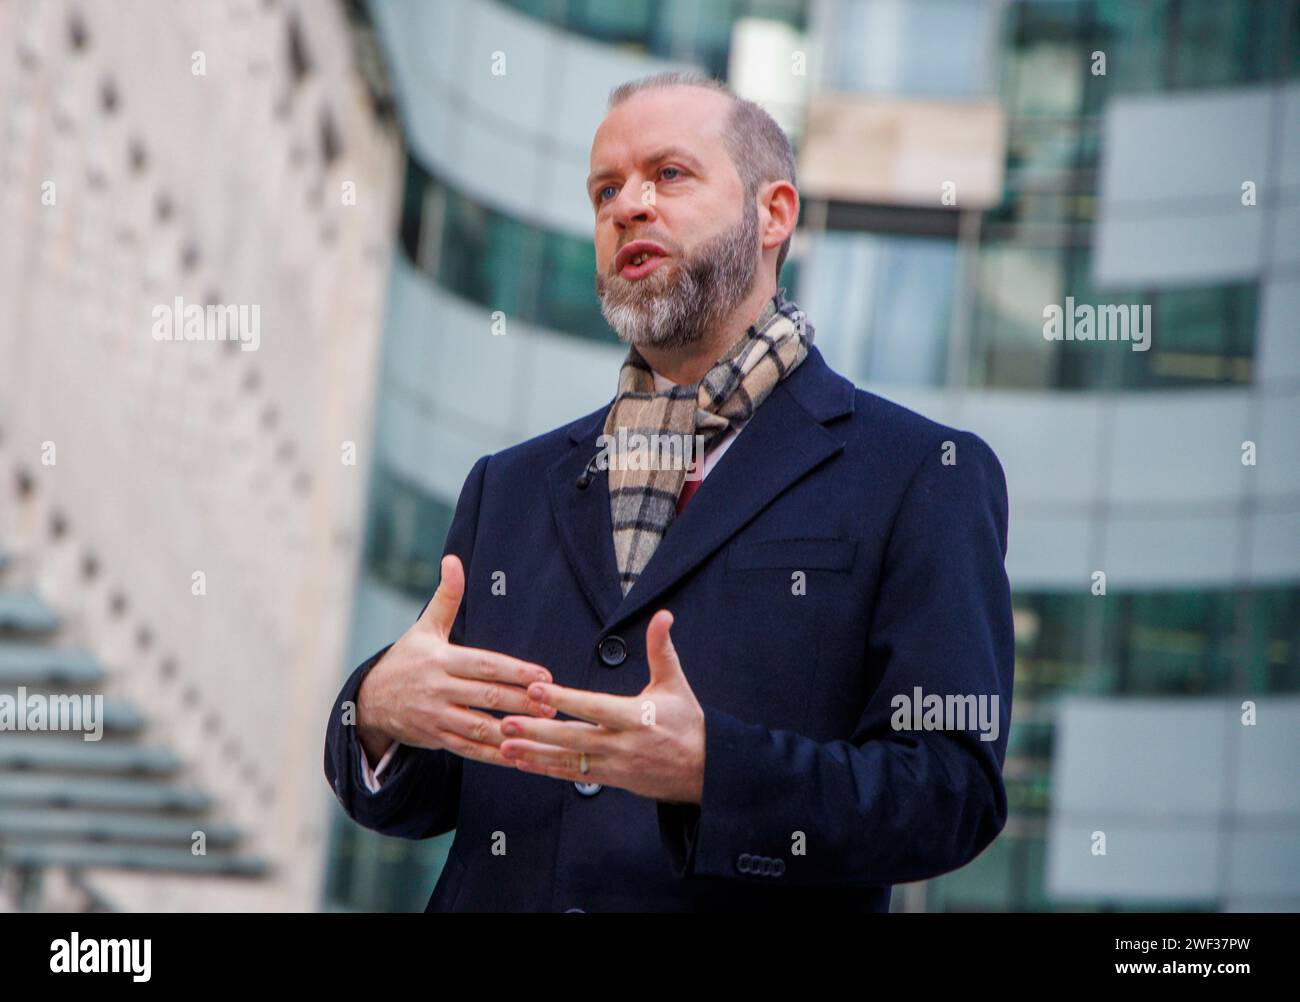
662	383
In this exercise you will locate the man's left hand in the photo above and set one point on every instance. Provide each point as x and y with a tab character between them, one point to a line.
651	744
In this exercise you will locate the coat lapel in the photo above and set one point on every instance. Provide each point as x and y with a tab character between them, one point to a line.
783	442
582	517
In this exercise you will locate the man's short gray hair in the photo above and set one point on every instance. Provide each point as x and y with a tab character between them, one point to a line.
759	147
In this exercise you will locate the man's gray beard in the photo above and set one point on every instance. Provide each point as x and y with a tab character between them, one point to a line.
662	312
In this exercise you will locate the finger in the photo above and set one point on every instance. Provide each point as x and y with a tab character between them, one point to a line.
493	696
471	734
441	611
481	728
618	713
665	666
489	666
571	734
561	763
476	750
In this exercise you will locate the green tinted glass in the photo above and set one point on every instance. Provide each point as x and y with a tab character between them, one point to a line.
407	531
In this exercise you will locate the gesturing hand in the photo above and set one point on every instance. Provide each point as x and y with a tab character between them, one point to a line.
421	691
651	744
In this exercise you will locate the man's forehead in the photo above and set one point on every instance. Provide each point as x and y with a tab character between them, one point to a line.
689	118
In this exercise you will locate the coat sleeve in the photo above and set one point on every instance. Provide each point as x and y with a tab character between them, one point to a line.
420	790
885	806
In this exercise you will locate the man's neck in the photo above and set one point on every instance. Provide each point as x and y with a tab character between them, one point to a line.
689	363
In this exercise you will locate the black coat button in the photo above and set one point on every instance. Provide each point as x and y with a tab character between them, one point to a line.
613	651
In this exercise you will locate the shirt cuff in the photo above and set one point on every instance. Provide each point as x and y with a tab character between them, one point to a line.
371	776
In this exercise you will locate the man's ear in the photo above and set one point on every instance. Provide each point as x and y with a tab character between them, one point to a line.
781	200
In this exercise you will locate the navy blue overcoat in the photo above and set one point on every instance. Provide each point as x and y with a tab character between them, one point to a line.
816	795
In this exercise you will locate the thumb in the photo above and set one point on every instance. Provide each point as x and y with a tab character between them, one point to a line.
441	611
665	666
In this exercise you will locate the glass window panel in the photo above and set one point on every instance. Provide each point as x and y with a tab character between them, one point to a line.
1044	61
464	246
835	288
984	884
1135	39
408	529
943	48
1091	364
1057	646
701	31
1271	662
911	312
432	215
339	872
1200	335
1032	876
1014	283
1173	642
890	299
568	293
1042	150
900	47
489	257
374	873
791	12
1029	791
1213	45
511	265
625	21
1030	738
413	207
1288	58
549	10
687	31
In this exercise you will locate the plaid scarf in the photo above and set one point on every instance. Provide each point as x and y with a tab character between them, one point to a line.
643	490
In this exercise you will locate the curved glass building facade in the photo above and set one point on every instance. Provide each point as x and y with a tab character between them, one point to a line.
1164	175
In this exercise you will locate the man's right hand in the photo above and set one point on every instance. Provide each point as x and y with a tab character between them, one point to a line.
427	692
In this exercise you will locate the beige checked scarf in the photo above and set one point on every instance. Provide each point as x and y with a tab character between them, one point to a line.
643	493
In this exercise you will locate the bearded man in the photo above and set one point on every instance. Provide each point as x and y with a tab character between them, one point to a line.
709	685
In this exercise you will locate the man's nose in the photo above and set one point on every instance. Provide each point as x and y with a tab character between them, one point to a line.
635	203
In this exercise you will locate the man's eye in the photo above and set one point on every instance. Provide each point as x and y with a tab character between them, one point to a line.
666	169
600	195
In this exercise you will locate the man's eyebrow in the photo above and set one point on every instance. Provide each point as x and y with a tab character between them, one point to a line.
666	153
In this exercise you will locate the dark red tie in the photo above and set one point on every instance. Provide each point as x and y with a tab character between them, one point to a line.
689	487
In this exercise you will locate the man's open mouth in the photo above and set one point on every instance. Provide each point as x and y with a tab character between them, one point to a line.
639	258
641	265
